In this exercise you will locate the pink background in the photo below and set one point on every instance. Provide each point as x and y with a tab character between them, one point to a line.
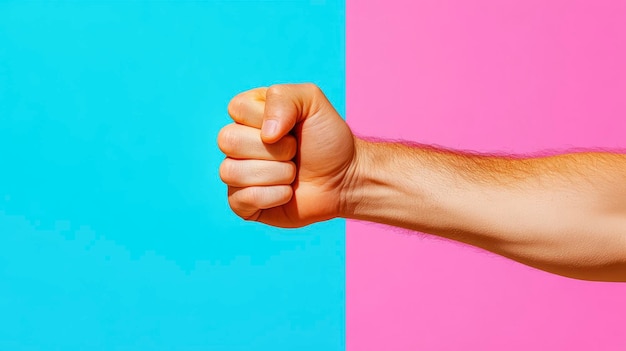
506	76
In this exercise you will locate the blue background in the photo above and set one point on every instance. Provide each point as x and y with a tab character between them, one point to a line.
115	232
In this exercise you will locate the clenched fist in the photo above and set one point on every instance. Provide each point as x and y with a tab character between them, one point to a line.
291	161
289	155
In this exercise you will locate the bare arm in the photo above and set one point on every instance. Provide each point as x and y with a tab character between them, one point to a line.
564	214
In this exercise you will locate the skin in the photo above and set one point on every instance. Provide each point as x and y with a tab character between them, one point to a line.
292	161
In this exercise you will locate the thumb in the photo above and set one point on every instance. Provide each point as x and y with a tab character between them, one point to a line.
286	105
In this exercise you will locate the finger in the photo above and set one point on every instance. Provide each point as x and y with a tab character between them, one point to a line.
248	202
243	142
286	105
247	108
242	173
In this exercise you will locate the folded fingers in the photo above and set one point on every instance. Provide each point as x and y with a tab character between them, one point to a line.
247	108
248	202
243	142
244	173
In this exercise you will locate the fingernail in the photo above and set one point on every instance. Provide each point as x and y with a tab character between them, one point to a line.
269	128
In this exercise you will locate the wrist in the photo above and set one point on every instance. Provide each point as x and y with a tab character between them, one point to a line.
384	184
351	193
371	188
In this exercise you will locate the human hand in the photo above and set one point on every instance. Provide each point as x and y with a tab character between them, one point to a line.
289	155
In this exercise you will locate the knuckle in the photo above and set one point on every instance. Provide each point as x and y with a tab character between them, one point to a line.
244	203
275	90
238	209
228	171
234	204
223	139
317	99
234	105
312	88
226	139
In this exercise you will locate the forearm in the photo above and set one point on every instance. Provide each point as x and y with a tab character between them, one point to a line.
565	214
